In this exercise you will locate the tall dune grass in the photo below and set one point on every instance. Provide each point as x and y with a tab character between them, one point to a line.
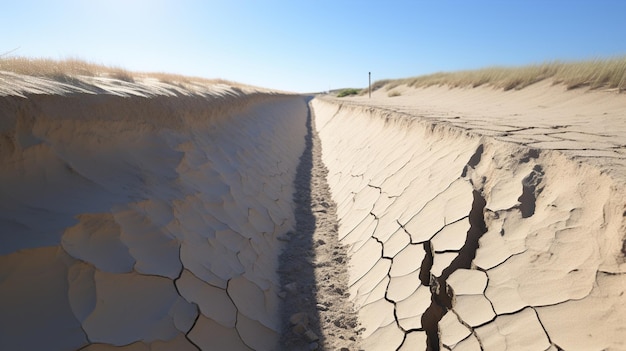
69	69
594	74
61	70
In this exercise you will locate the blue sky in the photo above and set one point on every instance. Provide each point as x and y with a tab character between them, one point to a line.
314	45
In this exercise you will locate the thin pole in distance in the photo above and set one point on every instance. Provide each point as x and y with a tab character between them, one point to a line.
370	84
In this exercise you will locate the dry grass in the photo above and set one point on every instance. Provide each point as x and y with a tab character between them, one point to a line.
62	70
68	70
594	74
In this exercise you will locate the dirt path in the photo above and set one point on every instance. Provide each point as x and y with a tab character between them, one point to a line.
316	310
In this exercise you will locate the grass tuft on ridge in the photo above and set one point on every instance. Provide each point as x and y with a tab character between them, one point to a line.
594	74
63	70
69	69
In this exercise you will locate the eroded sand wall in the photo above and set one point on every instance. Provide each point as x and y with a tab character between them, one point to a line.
467	243
146	222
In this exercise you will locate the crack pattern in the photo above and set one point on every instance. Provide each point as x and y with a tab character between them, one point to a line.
171	244
487	252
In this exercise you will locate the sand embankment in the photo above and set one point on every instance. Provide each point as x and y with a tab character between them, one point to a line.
480	227
150	216
143	214
587	125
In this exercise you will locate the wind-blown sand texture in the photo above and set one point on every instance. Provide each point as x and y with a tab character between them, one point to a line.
148	215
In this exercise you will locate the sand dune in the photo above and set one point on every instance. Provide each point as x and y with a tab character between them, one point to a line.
145	221
150	216
467	230
585	124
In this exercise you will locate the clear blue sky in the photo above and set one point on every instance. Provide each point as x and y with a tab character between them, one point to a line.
309	46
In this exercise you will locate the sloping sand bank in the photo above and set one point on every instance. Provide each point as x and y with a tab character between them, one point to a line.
144	215
467	230
150	216
587	125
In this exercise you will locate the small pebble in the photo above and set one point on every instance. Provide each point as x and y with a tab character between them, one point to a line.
299	318
299	329
311	336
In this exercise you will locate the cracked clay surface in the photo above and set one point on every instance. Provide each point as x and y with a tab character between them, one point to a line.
141	216
460	241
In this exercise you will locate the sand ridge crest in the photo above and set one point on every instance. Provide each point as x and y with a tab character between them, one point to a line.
140	86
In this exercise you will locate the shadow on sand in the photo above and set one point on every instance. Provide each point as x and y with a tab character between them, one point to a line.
296	263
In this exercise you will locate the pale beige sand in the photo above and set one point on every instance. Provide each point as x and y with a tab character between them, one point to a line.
481	219
150	216
143	215
587	124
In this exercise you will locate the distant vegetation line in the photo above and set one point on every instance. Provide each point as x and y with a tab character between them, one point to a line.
348	92
594	74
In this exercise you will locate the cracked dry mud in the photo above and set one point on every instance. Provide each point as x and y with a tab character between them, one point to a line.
461	241
500	227
316	310
163	237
